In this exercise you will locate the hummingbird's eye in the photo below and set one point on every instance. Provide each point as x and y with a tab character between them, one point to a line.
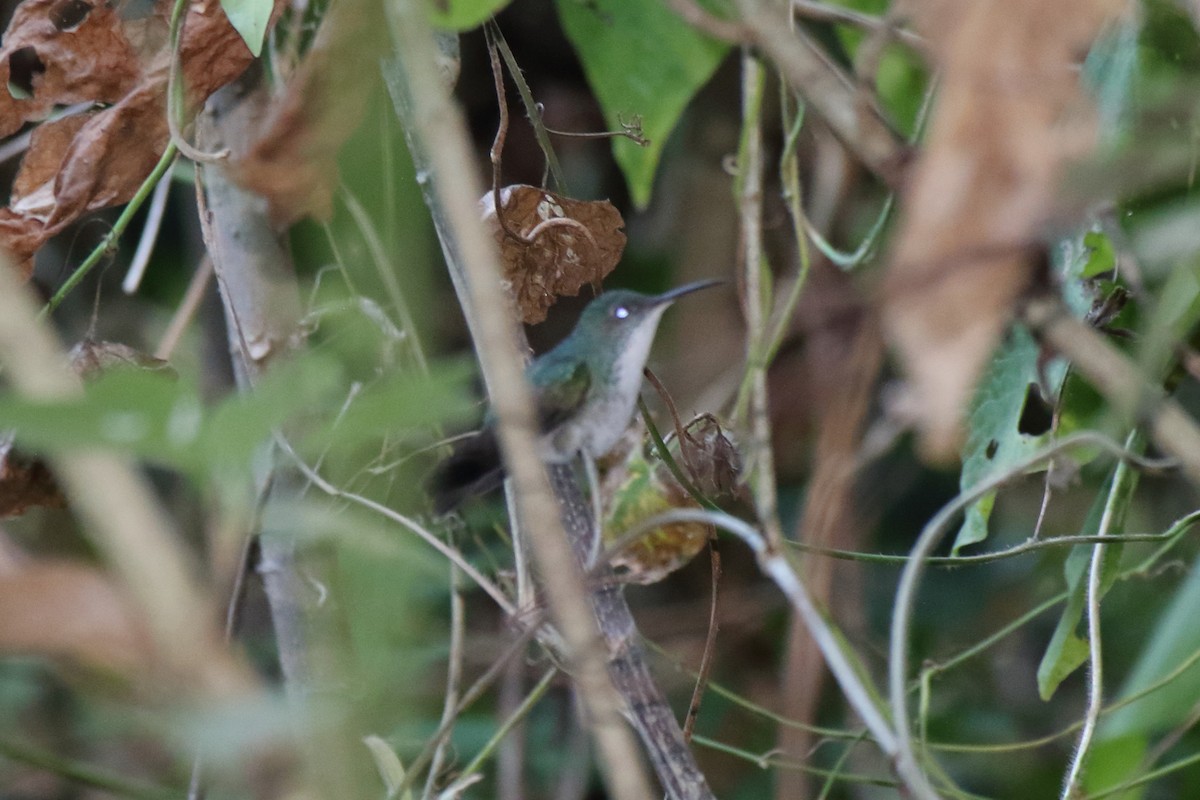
620	312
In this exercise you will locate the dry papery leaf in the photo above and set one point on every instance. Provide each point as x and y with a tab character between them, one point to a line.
67	52
1010	114
294	164
563	244
63	609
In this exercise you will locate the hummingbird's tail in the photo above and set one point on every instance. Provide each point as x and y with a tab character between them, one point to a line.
474	467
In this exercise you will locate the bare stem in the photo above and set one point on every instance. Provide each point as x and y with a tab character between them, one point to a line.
1117	494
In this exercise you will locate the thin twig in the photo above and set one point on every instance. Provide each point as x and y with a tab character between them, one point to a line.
454	663
793	198
497	151
145	248
752	404
109	242
710	648
1118	494
188	307
476	691
387	276
485	752
532	108
451	554
175	93
631	131
823	12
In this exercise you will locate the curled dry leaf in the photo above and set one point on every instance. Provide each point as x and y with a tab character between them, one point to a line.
294	164
1011	112
66	52
560	244
61	609
90	357
711	458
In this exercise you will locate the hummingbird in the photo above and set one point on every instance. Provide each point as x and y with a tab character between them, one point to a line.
585	390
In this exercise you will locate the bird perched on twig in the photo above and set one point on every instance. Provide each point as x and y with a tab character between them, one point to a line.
585	389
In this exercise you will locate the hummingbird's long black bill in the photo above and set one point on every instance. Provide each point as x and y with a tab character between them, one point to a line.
680	291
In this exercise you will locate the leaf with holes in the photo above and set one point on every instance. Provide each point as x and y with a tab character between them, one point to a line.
995	441
642	61
113	59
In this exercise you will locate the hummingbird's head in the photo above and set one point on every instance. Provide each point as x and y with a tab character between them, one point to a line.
626	318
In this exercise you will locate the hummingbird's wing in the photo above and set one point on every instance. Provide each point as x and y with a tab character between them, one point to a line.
560	388
475	466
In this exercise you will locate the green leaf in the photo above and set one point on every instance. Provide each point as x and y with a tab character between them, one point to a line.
641	61
147	414
994	441
403	402
1102	257
461	15
1175	638
1112	762
242	422
250	19
391	769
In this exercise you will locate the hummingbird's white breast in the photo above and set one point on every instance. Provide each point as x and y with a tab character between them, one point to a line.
611	400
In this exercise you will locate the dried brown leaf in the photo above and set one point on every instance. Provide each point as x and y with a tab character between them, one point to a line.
294	164
563	244
92	60
711	459
25	482
62	609
90	357
1010	114
79	51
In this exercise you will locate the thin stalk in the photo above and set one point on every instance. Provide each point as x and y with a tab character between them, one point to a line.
532	111
451	554
1118	495
145	248
453	677
109	242
175	93
751	407
536	694
793	196
387	275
